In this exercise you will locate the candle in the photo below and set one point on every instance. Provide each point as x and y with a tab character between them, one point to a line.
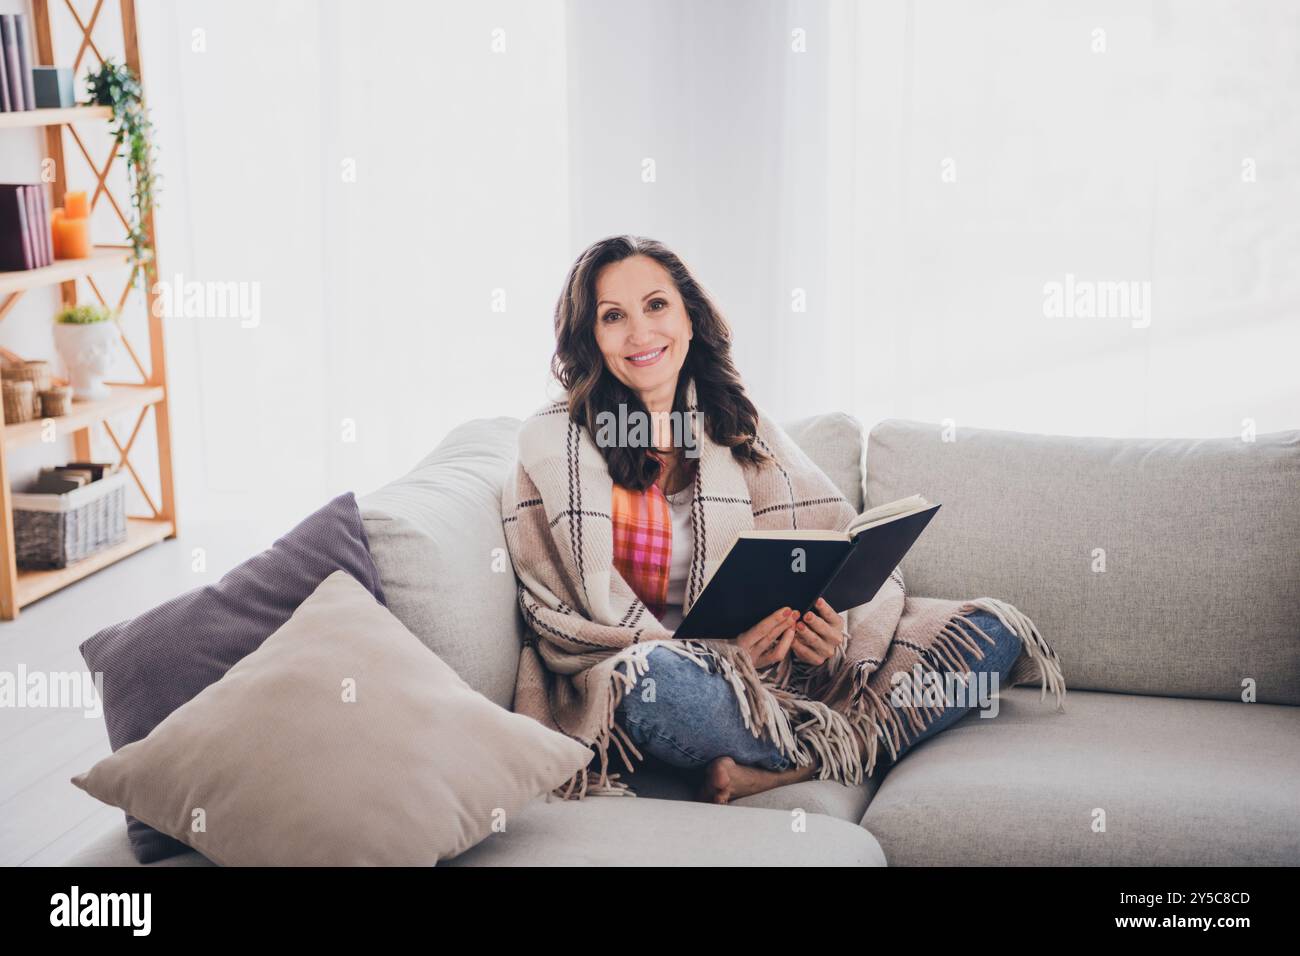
55	216
71	237
75	205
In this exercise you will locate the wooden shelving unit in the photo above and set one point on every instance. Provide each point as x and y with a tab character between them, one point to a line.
14	284
122	398
53	117
140	533
19	588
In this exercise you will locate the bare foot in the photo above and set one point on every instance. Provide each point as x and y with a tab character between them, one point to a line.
725	780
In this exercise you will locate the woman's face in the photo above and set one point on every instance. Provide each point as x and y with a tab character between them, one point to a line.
642	328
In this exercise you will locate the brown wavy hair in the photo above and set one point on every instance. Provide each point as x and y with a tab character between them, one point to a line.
730	418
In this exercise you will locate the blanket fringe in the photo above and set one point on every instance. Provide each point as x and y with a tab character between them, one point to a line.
875	718
811	732
824	738
1038	659
588	782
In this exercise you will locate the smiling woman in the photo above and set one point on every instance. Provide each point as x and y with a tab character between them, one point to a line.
632	328
615	539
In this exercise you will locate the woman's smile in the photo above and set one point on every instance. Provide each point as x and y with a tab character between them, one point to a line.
648	357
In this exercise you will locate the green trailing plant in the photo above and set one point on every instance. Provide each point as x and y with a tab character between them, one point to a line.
117	87
83	315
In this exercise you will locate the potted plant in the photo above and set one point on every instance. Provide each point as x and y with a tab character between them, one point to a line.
86	337
116	86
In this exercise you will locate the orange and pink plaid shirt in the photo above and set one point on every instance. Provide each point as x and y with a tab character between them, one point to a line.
643	539
643	543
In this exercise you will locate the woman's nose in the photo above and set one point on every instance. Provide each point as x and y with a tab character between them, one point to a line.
640	326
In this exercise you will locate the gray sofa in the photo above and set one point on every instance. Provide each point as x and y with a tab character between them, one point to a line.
1165	573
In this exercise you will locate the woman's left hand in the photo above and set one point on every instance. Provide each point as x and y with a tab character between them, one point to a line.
818	633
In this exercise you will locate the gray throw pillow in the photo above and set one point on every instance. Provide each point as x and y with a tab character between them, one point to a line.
160	660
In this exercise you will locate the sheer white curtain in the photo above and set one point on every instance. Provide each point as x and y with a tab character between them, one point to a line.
392	176
1006	146
880	193
876	193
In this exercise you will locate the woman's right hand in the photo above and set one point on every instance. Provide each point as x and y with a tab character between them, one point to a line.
769	640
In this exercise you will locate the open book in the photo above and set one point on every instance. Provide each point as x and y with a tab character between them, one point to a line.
767	570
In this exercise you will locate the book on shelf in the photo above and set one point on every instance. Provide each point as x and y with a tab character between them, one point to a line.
25	62
61	479
9	49
37	225
15	247
26	241
764	571
17	88
6	104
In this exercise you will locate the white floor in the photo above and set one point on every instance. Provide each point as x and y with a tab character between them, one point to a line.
44	819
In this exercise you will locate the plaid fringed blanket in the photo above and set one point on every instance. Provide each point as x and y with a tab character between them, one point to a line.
589	633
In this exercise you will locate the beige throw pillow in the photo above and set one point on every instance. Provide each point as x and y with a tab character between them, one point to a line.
341	741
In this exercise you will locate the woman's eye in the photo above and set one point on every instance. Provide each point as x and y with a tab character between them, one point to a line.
610	316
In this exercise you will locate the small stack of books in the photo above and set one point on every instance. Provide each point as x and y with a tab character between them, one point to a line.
64	478
69	513
16	89
25	238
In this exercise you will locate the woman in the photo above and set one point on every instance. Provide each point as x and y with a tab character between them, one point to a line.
614	531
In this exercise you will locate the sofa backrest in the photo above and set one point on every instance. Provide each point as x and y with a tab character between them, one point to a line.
1152	566
835	443
436	537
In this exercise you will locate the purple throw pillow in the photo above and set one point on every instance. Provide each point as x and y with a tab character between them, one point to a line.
162	659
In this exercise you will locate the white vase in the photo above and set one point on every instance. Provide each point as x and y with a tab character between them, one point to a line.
87	351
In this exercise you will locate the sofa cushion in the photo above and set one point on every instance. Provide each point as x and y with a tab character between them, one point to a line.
348	744
640	831
1200	591
1181	783
834	442
663	782
113	848
435	534
622	831
160	660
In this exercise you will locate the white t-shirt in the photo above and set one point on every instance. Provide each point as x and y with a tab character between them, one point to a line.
680	507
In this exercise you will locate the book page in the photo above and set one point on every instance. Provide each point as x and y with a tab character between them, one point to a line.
887	512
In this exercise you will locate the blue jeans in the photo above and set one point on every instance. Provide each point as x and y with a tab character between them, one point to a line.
692	715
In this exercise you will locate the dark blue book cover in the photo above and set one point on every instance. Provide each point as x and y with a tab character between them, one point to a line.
761	574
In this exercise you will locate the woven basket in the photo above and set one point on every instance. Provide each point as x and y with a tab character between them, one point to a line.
52	531
55	401
18	400
36	371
